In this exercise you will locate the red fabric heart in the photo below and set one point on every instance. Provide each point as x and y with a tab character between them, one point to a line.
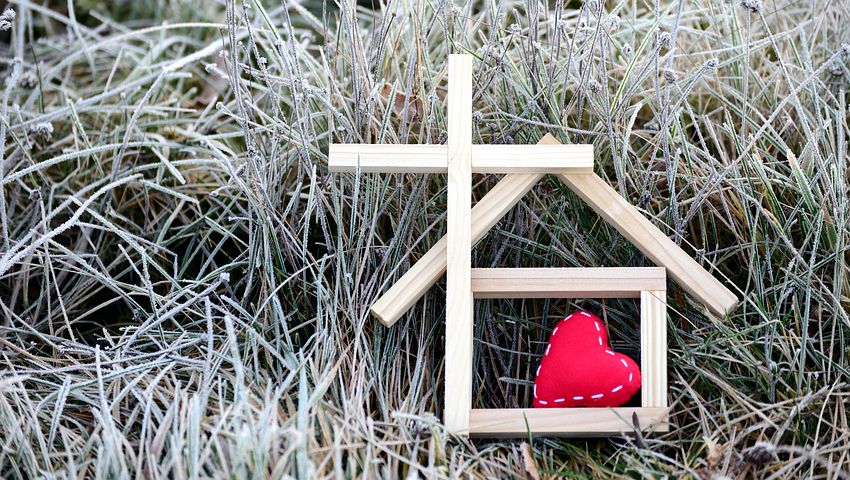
578	368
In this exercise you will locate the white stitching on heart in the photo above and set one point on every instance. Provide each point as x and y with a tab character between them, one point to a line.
609	352
538	370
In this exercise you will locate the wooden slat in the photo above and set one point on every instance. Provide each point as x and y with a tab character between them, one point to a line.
551	158
564	422
346	157
431	266
653	348
554	158
606	202
459	318
566	282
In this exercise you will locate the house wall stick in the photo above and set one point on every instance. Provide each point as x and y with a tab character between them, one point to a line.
566	282
459	321
564	422
653	348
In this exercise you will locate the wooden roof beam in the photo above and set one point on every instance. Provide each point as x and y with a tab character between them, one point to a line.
604	200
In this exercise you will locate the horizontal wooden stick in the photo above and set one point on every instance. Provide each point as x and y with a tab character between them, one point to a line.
541	158
566	282
347	157
550	158
431	266
623	216
565	422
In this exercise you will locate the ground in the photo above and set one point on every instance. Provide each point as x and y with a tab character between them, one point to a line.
185	288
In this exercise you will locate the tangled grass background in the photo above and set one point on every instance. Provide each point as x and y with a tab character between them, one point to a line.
184	288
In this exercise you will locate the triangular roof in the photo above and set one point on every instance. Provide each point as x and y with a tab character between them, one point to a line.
604	200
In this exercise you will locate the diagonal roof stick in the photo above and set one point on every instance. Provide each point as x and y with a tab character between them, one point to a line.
604	200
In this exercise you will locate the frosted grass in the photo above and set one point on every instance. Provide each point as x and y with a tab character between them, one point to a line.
184	288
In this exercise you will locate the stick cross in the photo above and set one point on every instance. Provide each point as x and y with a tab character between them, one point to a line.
459	158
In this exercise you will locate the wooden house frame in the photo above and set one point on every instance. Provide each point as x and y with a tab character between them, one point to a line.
524	166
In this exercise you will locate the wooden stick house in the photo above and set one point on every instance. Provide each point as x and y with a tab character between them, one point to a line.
524	166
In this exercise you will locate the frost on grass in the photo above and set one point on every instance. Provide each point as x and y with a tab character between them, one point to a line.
7	19
42	131
185	289
752	5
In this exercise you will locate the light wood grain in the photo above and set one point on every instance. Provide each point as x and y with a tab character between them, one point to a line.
389	158
431	266
545	158
653	348
553	158
459	318
687	273
566	282
564	422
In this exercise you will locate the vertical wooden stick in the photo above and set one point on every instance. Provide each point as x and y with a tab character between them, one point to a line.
459	321
653	348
